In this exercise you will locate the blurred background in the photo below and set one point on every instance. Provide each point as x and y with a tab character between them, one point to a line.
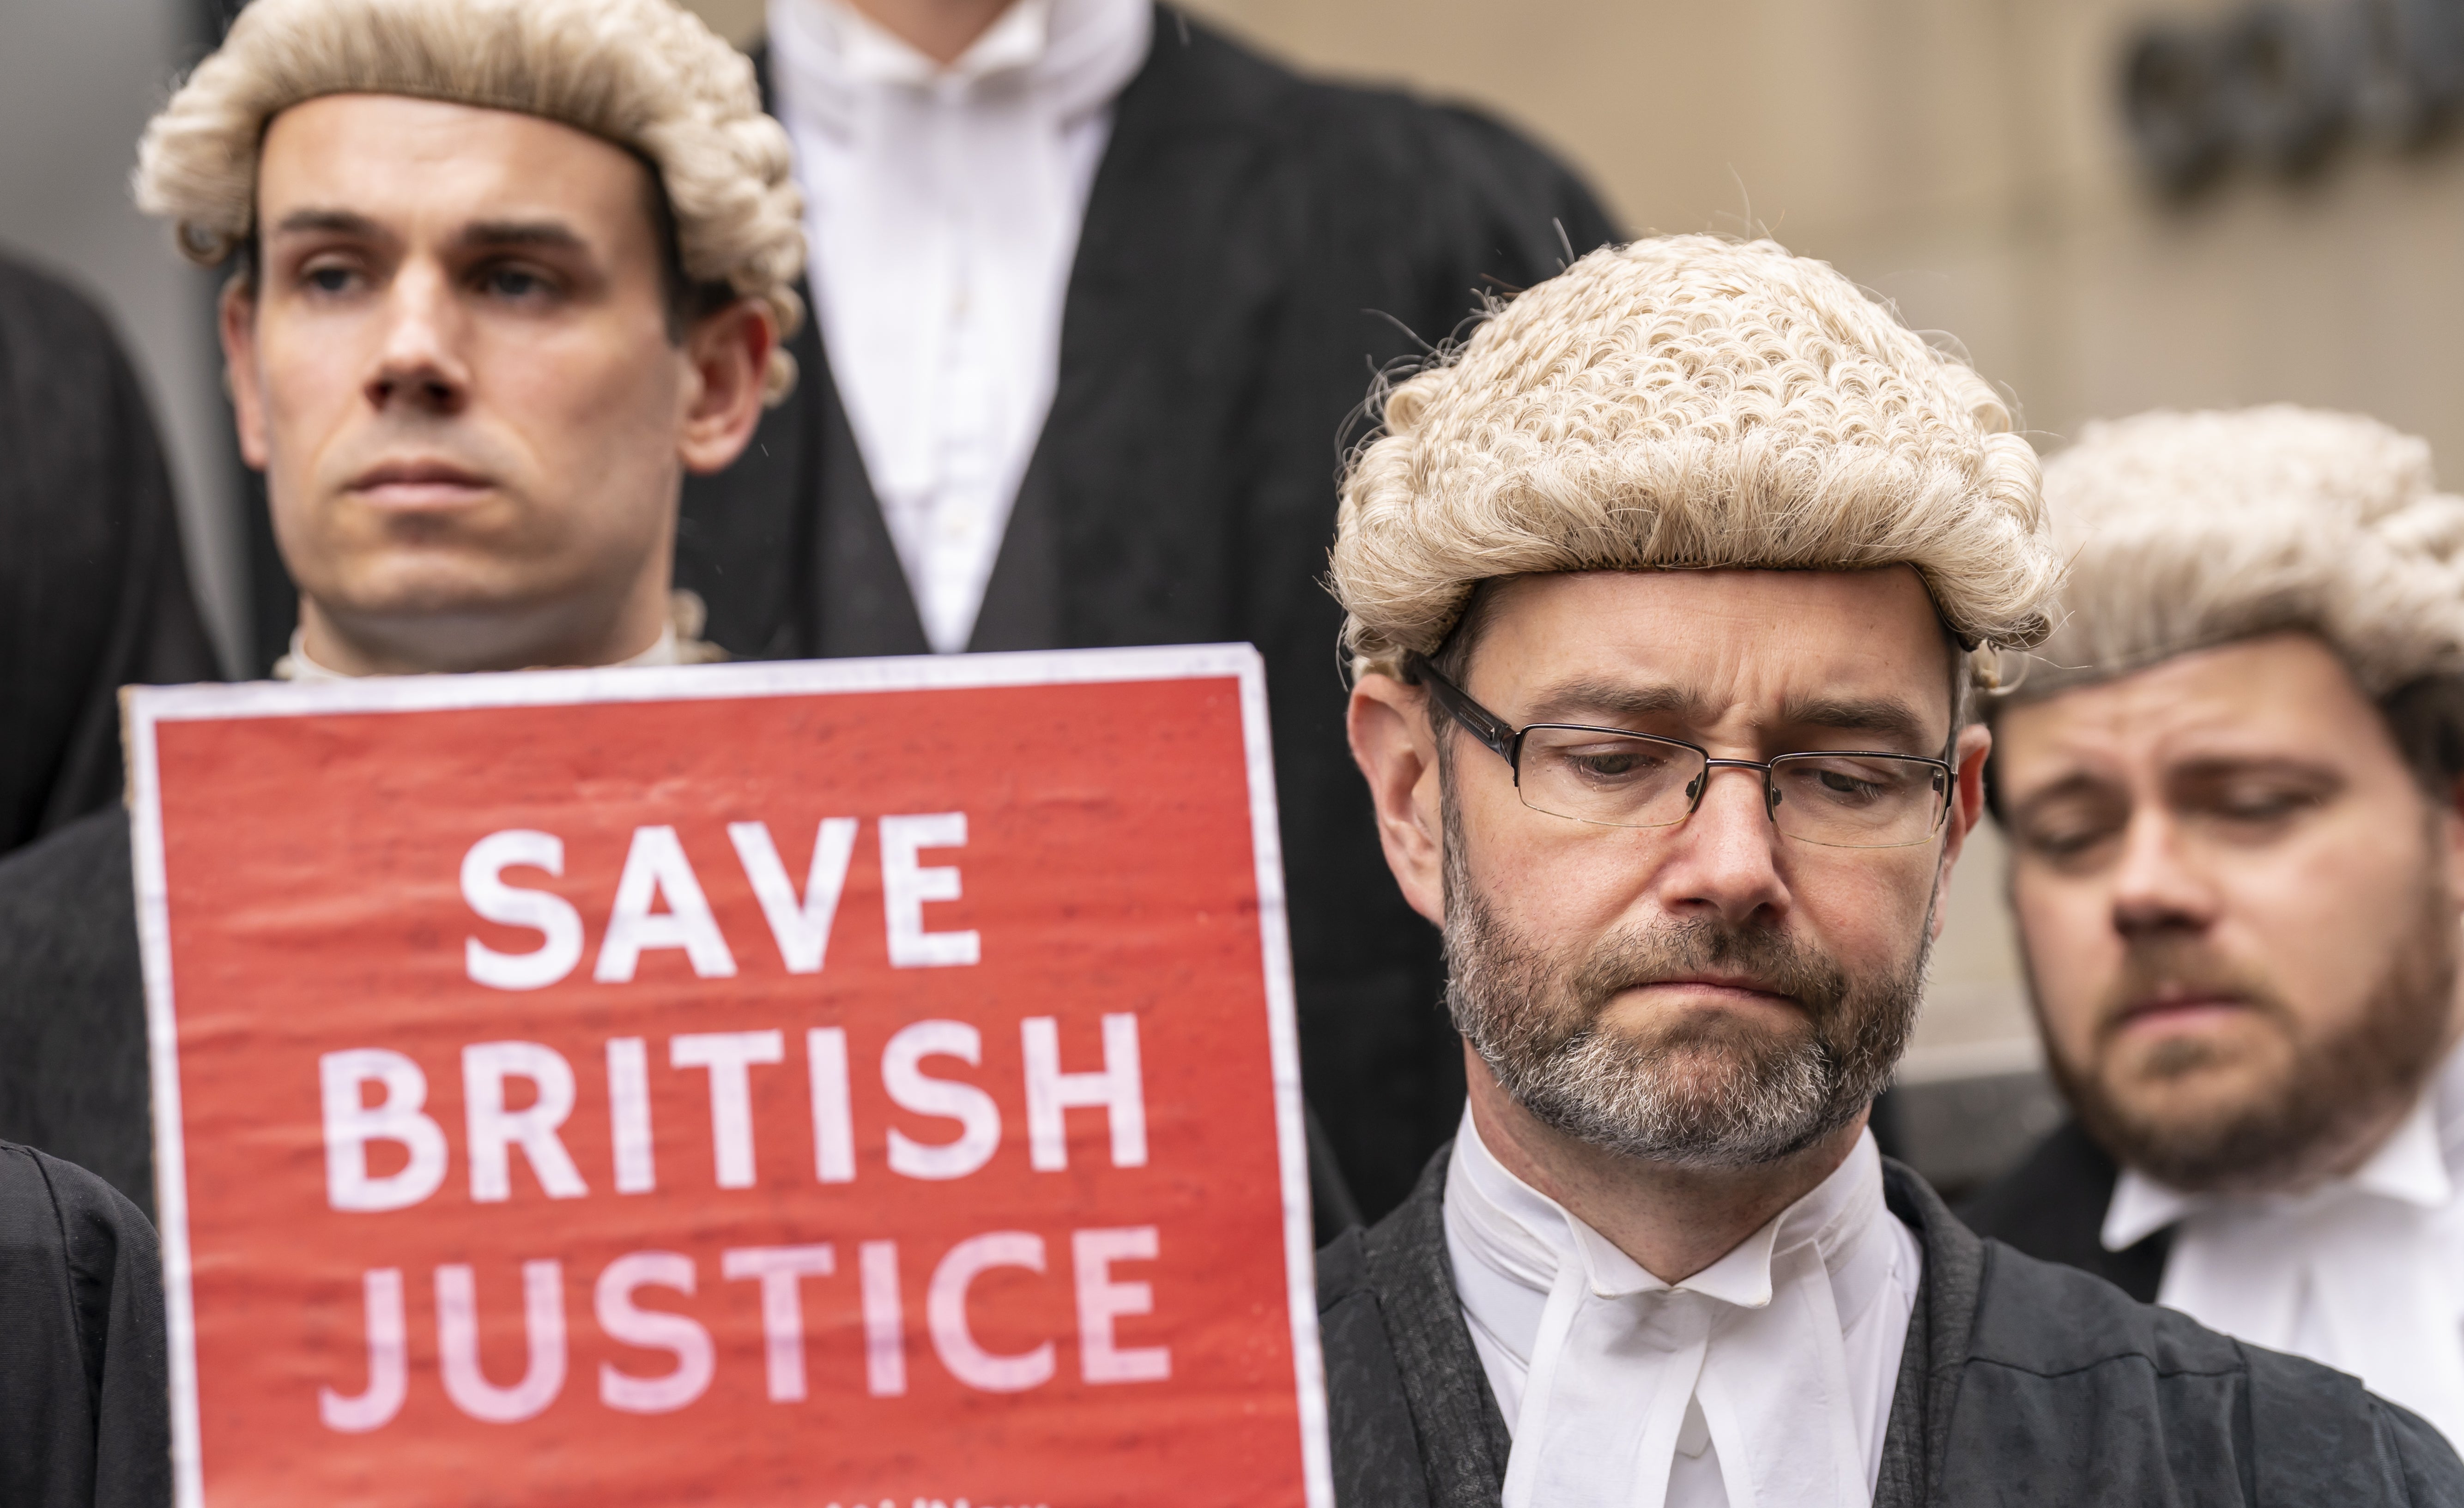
2111	205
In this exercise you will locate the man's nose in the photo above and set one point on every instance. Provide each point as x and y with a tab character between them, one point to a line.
2159	887
419	367
1723	861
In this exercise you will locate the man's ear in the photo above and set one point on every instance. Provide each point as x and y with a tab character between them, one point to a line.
237	312
1967	804
1389	724
730	356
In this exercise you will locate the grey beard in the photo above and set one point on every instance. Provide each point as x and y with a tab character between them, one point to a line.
1717	1093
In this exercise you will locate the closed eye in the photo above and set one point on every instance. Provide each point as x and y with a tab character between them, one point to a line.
2253	801
1853	783
1616	761
2265	807
2060	840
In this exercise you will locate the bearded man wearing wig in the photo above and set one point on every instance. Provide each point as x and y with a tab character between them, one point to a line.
2233	783
1667	595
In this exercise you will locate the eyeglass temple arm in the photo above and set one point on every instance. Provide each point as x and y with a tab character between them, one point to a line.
1477	720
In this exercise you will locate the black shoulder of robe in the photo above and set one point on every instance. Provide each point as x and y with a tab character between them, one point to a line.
94	591
2051	1206
1256	244
73	1057
84	1395
2022	1383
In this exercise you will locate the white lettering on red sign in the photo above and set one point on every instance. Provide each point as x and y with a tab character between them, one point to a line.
780	1272
376	1095
659	902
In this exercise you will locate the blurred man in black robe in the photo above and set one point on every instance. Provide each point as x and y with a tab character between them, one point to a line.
93	592
1095	293
81	1364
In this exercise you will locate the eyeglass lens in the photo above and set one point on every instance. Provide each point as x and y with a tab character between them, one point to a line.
1861	801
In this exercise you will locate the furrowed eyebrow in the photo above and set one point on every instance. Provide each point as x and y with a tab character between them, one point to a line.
1577	700
1884	715
498	233
2227	766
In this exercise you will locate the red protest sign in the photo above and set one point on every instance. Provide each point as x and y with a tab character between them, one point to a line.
847	1083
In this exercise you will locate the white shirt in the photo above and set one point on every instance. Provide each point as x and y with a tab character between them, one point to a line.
942	211
2364	1274
1763	1381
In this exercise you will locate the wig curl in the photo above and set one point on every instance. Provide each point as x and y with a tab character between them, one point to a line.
645	75
1689	401
2187	530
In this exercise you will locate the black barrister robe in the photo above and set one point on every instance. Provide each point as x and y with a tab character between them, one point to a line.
2051	1206
74	1077
93	592
1251	245
83	1380
2022	1383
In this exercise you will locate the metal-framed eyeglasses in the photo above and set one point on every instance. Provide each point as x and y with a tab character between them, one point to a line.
1618	777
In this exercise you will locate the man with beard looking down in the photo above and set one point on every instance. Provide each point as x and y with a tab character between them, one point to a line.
2232	790
1665	594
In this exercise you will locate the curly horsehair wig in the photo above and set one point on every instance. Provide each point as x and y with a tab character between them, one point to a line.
645	75
2186	531
1689	401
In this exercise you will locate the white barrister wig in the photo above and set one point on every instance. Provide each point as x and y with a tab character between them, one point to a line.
1690	402
2186	530
646	75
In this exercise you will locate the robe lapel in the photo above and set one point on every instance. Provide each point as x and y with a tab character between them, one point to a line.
787	546
1918	1435
862	602
1124	529
1463	1439
1022	607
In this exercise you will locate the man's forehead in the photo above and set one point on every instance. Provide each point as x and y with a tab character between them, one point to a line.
2280	695
1792	642
394	158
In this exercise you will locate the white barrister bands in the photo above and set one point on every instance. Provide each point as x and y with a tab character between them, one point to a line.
1766	1379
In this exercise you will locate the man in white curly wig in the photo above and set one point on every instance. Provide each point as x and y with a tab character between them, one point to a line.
2231	784
508	270
502	271
1665	593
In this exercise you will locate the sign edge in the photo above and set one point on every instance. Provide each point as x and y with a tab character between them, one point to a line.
150	877
1282	1025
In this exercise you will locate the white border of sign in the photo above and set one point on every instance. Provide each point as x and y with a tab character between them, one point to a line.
149	706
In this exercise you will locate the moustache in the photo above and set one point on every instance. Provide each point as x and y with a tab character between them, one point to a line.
1763	957
2158	972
